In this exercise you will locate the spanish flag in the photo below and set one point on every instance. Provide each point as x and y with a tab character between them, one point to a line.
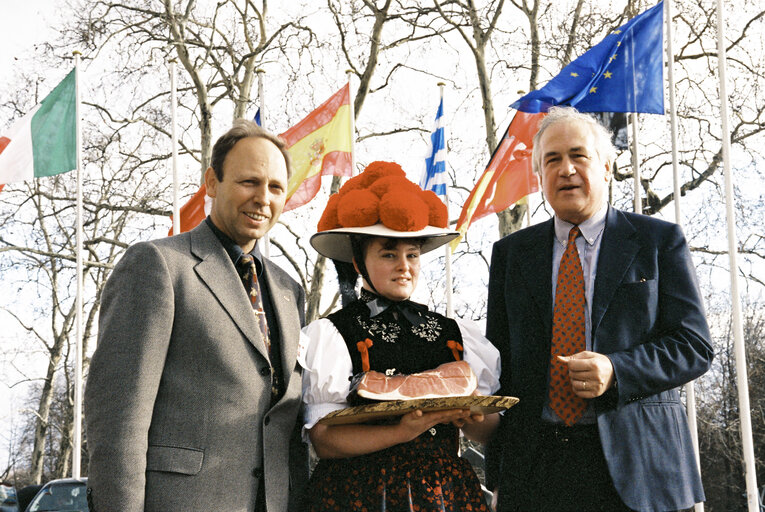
508	178
319	145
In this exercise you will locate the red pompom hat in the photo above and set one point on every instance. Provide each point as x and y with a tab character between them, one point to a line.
381	202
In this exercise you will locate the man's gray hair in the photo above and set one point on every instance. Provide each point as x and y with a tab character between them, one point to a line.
603	145
243	129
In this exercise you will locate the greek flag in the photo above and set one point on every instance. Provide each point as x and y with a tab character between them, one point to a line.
434	177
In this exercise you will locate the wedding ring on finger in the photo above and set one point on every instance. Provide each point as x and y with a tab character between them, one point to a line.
584	384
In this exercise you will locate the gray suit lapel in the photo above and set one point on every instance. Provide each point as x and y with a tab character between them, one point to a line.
286	312
217	271
617	252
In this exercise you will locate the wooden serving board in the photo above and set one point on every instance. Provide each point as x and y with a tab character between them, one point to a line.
363	413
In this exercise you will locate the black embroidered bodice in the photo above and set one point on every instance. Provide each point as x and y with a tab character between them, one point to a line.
406	337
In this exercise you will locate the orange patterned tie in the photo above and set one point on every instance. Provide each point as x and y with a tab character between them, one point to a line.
568	335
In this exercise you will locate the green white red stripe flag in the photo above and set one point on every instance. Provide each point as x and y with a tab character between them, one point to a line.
44	141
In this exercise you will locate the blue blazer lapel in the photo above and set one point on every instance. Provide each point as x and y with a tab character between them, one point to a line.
618	249
286	311
217	271
536	254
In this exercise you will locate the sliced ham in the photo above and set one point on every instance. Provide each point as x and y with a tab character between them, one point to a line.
450	379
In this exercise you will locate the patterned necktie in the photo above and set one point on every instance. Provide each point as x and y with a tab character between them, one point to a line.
568	335
250	280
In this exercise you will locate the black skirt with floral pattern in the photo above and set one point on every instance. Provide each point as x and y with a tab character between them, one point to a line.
423	475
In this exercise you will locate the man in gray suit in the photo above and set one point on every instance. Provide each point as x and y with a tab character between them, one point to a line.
191	403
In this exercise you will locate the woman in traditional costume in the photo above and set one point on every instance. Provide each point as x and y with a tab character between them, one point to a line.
381	223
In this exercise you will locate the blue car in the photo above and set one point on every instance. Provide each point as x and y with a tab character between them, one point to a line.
8	500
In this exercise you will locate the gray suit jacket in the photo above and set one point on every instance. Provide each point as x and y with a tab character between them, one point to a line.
177	404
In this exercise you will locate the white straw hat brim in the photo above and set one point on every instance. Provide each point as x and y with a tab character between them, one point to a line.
336	243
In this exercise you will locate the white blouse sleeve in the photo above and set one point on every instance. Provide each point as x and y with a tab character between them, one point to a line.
327	368
481	355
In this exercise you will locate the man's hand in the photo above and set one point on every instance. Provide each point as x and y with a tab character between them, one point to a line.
472	419
591	374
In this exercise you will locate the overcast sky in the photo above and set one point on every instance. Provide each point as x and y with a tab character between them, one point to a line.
22	25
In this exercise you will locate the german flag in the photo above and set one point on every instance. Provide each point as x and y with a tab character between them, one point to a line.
508	177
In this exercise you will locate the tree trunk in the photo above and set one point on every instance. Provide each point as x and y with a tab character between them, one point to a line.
205	129
43	415
64	457
313	296
205	108
245	90
511	219
535	45
486	98
381	16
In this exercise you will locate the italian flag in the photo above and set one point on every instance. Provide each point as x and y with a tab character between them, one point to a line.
44	141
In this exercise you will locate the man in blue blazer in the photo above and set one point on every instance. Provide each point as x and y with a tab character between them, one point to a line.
643	334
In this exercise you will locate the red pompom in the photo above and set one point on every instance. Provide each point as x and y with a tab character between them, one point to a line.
439	214
355	183
393	184
358	208
382	193
378	169
403	211
328	219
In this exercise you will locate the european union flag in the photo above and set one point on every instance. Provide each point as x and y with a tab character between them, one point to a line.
622	73
434	177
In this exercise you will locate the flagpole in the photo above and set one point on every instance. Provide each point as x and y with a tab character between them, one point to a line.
738	332
672	111
690	393
174	144
351	106
637	204
261	96
447	249
262	107
77	415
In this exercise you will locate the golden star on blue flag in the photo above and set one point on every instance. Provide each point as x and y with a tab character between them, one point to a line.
625	70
